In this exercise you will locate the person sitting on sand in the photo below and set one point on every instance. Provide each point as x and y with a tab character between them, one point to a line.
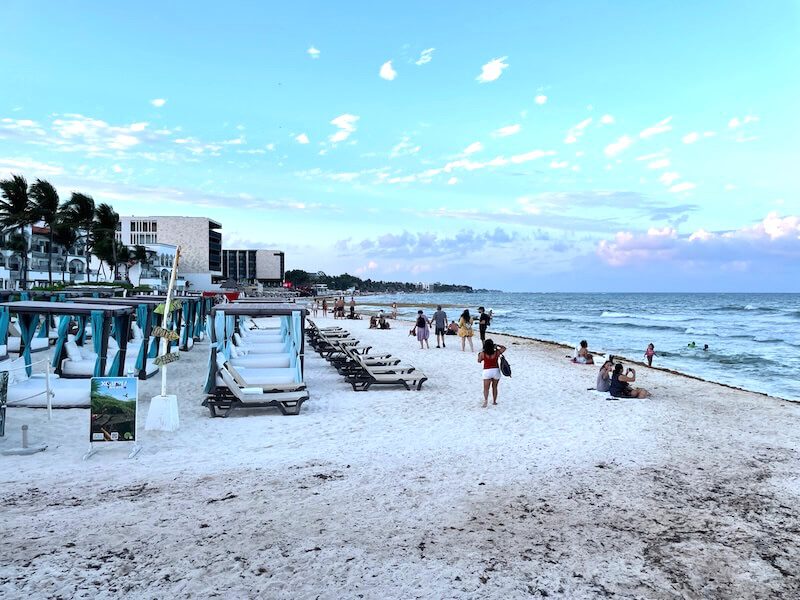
382	322
490	357
604	376
452	329
373	322
465	330
620	384
582	354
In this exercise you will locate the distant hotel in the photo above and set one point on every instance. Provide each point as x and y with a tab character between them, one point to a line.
254	266
199	238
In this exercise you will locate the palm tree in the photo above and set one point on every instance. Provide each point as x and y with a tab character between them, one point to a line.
79	213
16	212
67	236
142	256
46	207
105	228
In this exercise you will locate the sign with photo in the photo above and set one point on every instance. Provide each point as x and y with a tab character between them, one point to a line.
114	401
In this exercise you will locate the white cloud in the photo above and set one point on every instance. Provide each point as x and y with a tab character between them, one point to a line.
737	122
473	148
540	99
527	206
492	70
576	131
616	147
452	181
691	138
158	102
660	127
387	72
302	139
559	165
669	177
405	147
606	119
313	52
117	169
729	187
507	130
16	165
425	57
682	187
346	124
661	163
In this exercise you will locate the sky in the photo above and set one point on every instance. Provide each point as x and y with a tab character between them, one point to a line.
547	146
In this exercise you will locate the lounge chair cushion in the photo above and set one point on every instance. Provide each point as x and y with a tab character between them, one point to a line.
73	352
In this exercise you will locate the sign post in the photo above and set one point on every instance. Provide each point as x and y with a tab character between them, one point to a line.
114	402
163	414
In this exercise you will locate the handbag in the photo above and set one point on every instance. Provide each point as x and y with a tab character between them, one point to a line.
505	368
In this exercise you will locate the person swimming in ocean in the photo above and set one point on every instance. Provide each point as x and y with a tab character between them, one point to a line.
691	345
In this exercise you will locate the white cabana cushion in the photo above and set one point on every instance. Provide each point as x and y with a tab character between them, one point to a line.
73	352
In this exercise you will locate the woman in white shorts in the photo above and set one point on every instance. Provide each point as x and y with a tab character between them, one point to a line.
490	357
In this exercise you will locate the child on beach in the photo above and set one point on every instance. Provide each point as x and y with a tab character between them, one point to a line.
465	330
490	357
649	354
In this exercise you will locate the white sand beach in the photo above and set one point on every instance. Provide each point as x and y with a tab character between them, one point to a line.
555	492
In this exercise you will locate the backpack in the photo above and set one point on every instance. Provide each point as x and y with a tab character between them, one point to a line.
505	368
421	321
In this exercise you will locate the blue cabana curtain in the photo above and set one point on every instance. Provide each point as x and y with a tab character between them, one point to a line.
118	331
81	334
97	340
27	327
63	328
185	330
5	319
141	319
217	329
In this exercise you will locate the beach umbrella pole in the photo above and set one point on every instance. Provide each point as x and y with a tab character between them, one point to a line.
163	414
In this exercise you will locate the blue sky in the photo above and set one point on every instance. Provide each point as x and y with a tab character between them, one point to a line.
633	146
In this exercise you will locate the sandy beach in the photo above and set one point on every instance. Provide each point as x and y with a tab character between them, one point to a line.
555	492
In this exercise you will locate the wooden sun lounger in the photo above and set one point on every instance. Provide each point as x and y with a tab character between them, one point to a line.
226	398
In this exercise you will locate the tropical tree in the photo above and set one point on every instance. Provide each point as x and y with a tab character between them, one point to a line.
143	257
105	231
67	236
16	213
46	207
79	213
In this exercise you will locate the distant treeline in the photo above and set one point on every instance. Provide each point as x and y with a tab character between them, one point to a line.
303	279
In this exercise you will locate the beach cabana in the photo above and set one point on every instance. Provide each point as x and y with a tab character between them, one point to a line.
176	320
143	344
225	320
101	316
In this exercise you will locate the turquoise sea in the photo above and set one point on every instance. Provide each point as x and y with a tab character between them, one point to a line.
753	339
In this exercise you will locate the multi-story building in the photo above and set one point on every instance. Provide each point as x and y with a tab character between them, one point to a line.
200	240
68	264
254	266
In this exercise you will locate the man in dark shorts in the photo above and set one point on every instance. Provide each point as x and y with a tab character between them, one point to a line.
440	323
483	323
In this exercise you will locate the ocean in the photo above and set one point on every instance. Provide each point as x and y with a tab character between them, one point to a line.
753	339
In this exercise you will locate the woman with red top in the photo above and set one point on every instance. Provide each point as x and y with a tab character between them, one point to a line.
490	357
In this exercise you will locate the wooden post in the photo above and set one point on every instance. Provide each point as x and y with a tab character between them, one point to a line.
165	319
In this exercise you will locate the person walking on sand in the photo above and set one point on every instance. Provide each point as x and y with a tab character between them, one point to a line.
394	310
352	307
422	329
483	323
439	322
649	354
324	307
490	357
465	330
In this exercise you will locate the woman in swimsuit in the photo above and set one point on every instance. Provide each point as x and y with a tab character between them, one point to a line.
490	358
